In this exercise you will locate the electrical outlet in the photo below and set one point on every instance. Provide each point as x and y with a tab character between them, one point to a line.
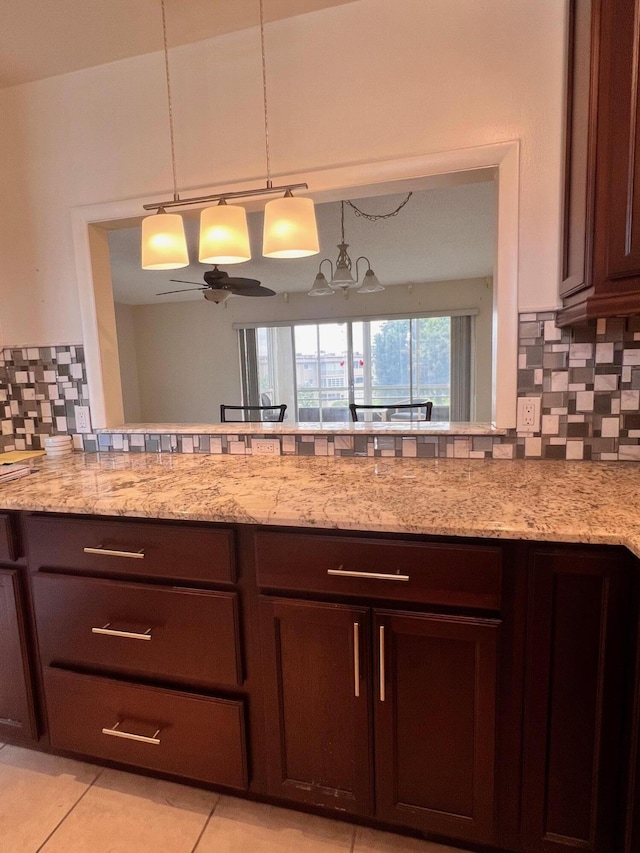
83	418
265	446
528	419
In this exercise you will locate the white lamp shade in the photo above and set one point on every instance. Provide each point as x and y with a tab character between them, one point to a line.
320	287
290	229
164	246
370	283
224	236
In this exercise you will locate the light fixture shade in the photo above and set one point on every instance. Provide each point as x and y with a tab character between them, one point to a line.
370	283
164	246
320	287
217	296
224	236
290	229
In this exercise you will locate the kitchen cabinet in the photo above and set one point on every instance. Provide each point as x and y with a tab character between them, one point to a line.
601	234
429	681
138	651
17	714
579	661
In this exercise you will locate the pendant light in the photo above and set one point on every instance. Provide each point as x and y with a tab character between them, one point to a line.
164	245
290	229
289	222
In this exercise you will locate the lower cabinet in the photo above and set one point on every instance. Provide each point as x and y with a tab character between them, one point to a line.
17	719
432	701
579	659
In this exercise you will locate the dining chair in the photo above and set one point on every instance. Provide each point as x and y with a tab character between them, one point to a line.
252	414
401	411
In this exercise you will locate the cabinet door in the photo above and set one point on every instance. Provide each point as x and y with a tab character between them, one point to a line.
17	722
576	655
317	701
435	719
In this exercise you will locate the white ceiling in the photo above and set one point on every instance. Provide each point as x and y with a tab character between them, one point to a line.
445	233
49	37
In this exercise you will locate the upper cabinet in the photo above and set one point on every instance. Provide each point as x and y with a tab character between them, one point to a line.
601	233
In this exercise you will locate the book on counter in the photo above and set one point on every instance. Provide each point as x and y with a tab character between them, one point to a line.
13	472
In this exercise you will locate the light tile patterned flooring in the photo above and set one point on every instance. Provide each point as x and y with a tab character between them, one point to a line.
57	805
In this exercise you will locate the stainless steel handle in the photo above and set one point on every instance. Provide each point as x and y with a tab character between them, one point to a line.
114	731
356	659
115	632
382	673
108	552
379	576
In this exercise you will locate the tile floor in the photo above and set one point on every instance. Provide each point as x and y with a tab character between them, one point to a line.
57	805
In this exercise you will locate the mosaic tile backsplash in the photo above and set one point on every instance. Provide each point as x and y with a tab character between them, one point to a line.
39	387
588	379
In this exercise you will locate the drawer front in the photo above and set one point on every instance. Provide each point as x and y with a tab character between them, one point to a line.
192	736
454	575
7	540
176	634
118	547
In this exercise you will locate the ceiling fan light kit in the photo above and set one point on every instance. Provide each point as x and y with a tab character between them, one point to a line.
290	229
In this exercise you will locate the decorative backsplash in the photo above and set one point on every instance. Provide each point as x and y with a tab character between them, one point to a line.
39	387
588	379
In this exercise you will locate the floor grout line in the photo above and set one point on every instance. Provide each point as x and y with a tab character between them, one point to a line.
60	822
206	824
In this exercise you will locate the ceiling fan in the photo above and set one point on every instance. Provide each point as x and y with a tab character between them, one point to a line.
219	285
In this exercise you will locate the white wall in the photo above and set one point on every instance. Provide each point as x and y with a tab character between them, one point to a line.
397	79
128	358
187	352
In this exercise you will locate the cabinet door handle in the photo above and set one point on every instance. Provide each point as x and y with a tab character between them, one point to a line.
382	672
379	576
356	659
115	632
108	552
115	731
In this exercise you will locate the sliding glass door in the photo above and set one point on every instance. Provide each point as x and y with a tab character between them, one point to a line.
318	369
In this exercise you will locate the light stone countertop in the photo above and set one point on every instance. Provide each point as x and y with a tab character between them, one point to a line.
399	427
546	500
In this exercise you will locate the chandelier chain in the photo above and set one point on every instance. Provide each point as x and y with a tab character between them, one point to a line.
168	76
373	217
264	95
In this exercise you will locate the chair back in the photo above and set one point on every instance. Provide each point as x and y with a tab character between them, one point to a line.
251	414
390	411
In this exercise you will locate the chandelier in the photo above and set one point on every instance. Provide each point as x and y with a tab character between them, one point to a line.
342	274
289	222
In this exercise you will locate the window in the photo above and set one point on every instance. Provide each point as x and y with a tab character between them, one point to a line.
318	369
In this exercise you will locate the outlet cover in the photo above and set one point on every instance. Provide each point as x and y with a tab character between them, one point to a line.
528	420
83	418
265	446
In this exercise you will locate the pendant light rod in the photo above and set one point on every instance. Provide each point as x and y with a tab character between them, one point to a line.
169	103
203	199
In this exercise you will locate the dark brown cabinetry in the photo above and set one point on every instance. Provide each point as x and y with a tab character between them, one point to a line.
317	703
107	609
578	658
17	719
428	681
601	258
435	722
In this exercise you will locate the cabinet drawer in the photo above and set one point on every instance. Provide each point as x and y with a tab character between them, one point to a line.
192	736
455	575
7	541
176	634
171	551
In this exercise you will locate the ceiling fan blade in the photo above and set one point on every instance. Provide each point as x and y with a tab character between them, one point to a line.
184	290
242	282
180	281
251	291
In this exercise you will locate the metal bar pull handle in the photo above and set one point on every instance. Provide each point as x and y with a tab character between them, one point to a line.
379	576
115	731
109	552
382	670
116	632
356	659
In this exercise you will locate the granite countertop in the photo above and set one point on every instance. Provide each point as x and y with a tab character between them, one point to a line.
399	427
545	500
